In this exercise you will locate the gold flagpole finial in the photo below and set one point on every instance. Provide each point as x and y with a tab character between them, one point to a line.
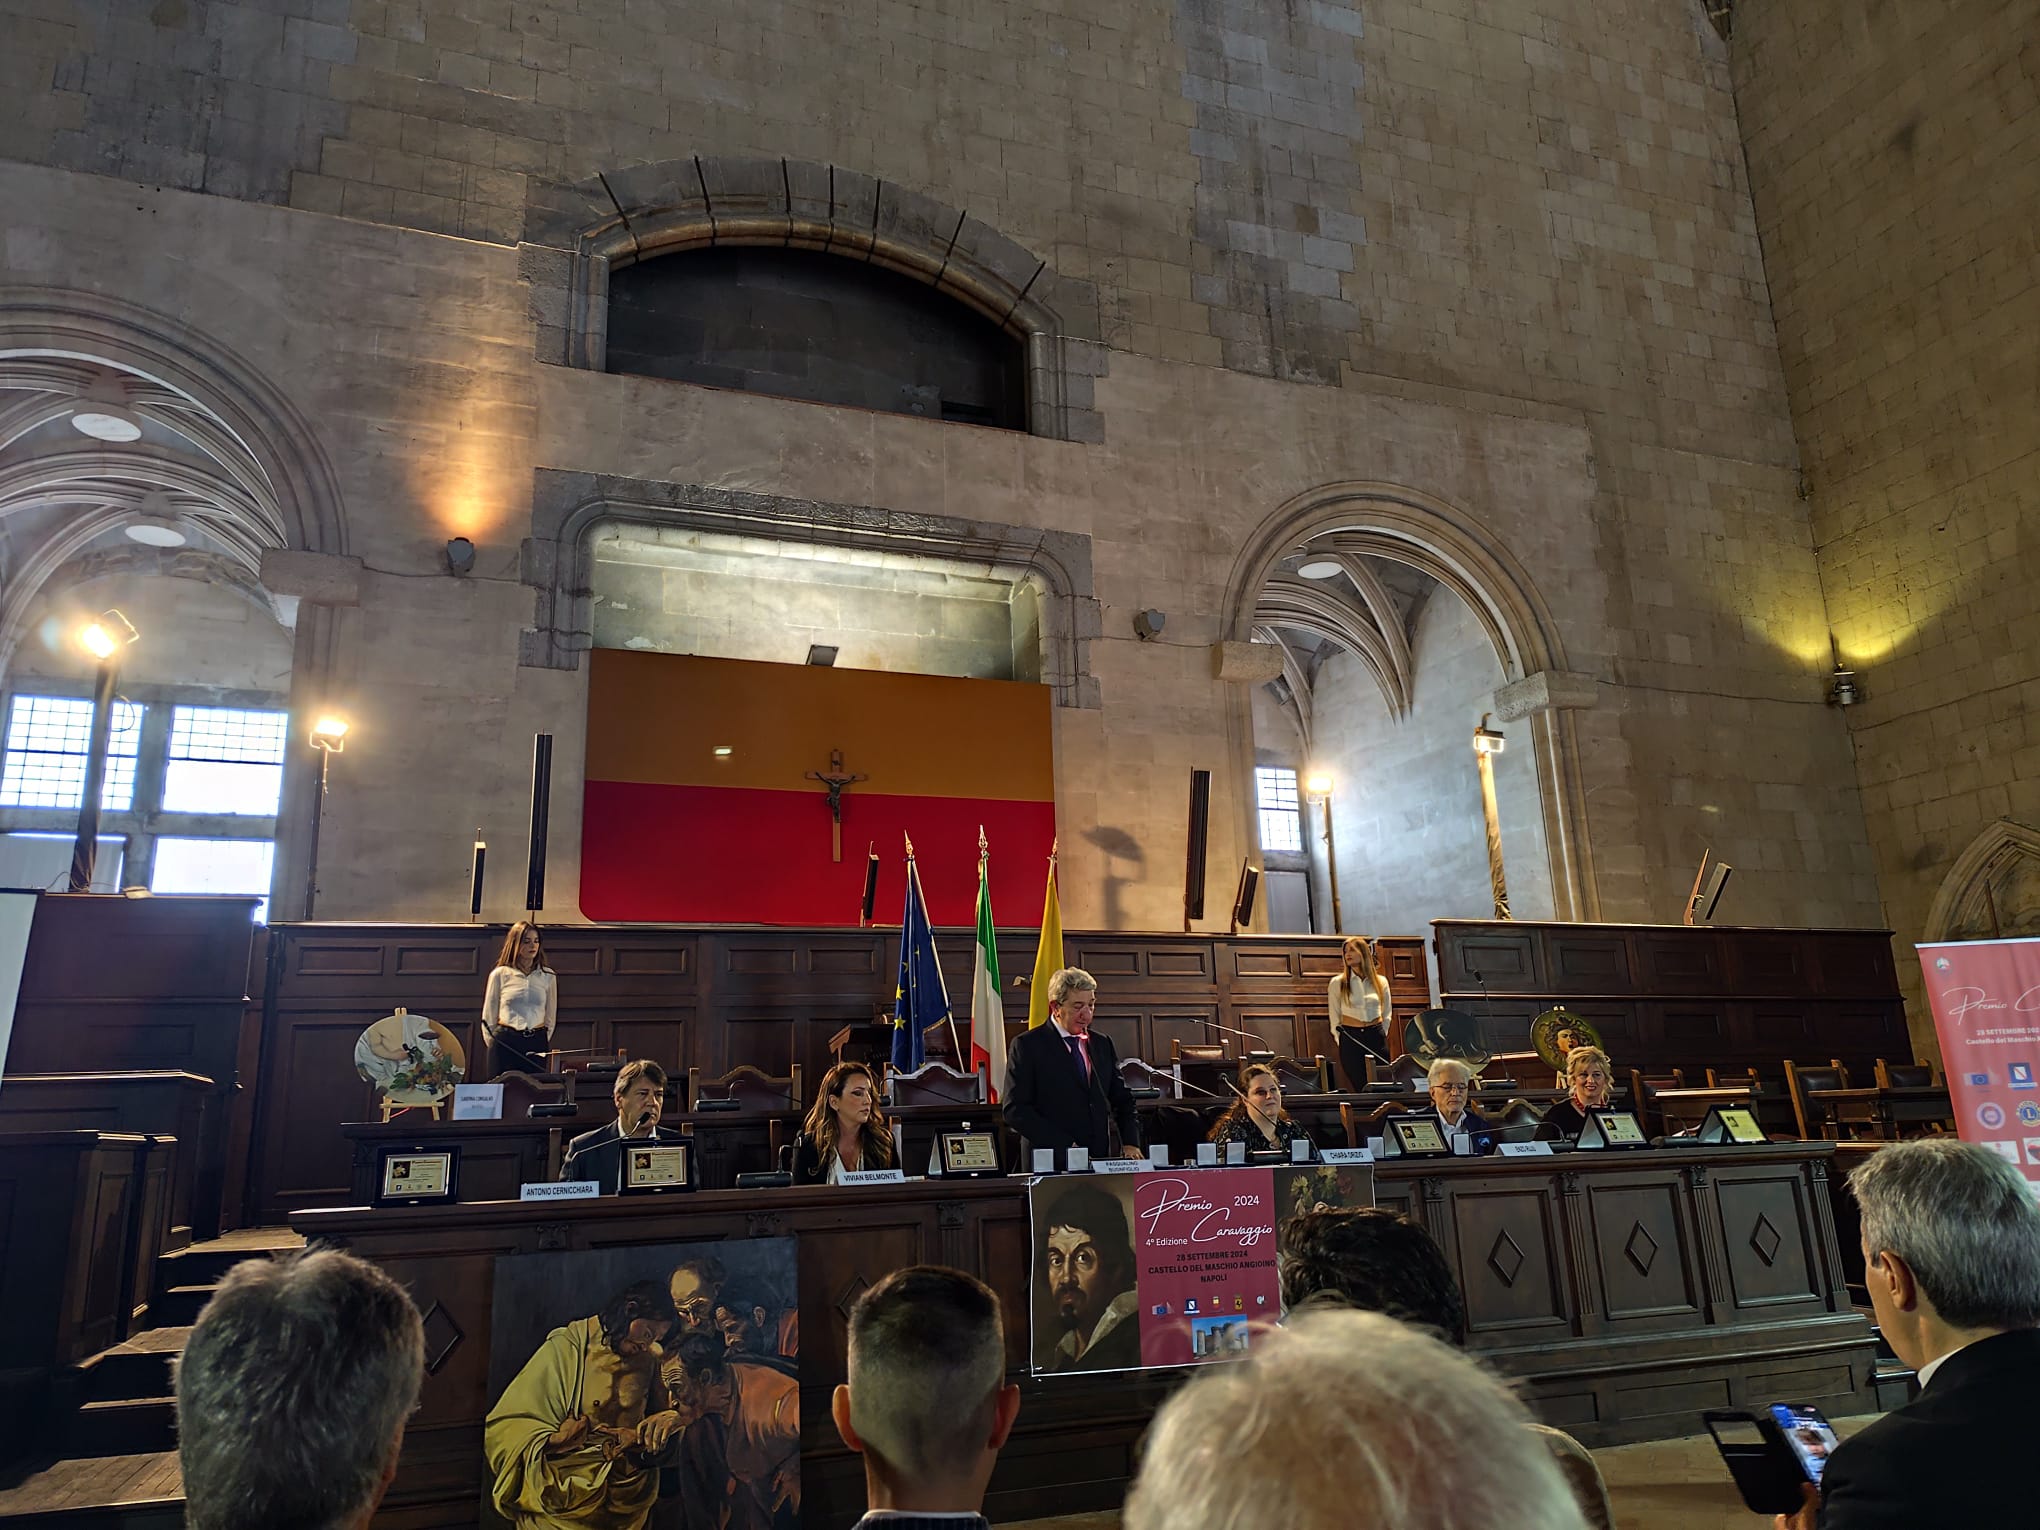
984	845
910	843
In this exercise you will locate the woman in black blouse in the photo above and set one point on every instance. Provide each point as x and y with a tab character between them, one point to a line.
1591	1079
1256	1117
845	1131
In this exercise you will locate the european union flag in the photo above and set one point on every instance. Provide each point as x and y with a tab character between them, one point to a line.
922	1000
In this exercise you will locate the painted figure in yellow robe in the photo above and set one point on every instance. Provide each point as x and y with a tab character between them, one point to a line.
577	1438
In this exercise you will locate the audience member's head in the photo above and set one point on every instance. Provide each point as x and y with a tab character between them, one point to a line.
1347	1419
292	1394
1951	1244
1372	1259
927	1403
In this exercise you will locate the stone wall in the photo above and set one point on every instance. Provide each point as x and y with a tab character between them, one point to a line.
1895	159
1501	254
1406	819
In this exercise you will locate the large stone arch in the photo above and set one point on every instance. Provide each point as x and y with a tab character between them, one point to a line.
1451	545
1964	906
574	235
255	477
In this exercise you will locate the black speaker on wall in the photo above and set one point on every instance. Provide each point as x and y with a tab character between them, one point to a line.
541	815
1193	858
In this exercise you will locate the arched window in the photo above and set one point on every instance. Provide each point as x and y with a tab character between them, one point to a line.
809	325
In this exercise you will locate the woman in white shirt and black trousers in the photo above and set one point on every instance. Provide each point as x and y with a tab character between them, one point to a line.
522	1005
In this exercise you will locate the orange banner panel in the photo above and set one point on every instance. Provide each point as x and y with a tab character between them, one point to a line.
659	719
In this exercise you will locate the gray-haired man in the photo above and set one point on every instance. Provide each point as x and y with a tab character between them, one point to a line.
1063	1088
292	1394
1951	1250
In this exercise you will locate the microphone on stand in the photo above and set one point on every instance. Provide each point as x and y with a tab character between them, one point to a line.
641	1120
1260	1043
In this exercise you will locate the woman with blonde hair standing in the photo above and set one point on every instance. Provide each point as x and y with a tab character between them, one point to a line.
845	1130
522	1005
1360	1010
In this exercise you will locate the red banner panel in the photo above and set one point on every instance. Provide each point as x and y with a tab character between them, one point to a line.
702	803
1986	1000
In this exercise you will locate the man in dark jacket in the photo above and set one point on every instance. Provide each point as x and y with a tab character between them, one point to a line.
1951	1250
640	1101
1063	1088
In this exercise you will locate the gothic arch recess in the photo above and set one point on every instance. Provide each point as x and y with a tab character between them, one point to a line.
1352	522
222	456
575	235
1992	890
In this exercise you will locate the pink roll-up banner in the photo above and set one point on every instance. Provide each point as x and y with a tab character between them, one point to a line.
1986	1000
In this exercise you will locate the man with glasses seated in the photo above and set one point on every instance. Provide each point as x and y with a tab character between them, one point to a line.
1451	1089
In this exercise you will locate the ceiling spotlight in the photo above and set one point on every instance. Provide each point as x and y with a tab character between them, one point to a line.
460	555
1320	568
821	655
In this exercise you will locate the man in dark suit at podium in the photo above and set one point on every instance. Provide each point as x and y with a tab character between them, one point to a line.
1063	1088
640	1101
1951	1253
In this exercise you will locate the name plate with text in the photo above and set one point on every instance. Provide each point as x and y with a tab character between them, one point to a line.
1345	1155
565	1190
1524	1149
1120	1165
872	1177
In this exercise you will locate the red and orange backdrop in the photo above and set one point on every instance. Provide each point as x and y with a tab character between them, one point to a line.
673	831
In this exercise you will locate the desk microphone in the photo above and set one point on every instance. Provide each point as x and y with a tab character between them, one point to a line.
641	1120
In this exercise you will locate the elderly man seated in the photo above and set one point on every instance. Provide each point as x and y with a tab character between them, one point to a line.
1451	1084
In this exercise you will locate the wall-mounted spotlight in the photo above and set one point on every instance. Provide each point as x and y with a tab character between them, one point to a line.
1148	625
330	734
821	655
1488	740
460	556
106	635
1842	688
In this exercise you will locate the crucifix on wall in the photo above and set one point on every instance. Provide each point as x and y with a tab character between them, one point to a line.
833	781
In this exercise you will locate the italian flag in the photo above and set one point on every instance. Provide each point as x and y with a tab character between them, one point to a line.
987	1021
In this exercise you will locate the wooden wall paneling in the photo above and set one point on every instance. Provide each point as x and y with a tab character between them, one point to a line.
1685	1028
1259	963
1498	958
1644	1252
148	1231
1770	1237
109	1182
1854	964
1679	961
1191	1024
1770	962
308	1089
664	1037
1585	960
1504	1023
1510	1254
1281	1031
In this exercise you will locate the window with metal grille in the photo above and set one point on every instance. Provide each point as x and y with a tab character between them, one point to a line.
224	760
47	741
1281	822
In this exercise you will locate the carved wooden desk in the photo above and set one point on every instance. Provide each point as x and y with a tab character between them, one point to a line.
1628	1291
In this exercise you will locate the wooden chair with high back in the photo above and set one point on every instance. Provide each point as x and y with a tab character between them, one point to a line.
935	1083
1136	1074
1302	1075
1406	1069
1904	1075
1207	1072
1362	1122
1643	1096
1725	1078
1827	1107
755	1091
